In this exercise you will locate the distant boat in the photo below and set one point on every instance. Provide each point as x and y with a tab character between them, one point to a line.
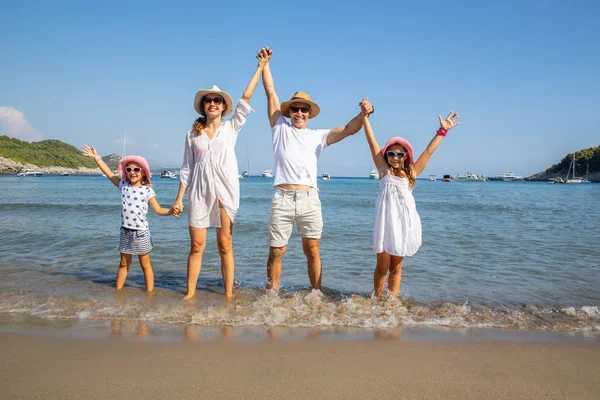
572	168
267	173
30	172
431	178
168	174
374	174
65	173
447	178
587	176
506	177
326	176
470	177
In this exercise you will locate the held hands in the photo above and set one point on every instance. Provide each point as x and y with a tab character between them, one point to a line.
177	208
89	151
366	108
264	55
450	122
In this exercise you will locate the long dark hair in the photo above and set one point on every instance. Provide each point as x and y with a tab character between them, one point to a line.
200	122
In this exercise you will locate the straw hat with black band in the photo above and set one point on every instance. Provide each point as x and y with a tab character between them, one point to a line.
214	89
300	97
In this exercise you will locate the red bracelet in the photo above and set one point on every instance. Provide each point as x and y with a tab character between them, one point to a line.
442	132
98	157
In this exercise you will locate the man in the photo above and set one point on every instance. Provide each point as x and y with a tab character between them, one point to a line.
296	150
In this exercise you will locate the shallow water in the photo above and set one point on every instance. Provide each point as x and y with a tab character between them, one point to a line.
495	254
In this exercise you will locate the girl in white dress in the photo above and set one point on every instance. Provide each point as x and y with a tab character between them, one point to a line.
397	231
210	174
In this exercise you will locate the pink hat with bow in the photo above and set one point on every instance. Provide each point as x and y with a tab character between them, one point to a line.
402	142
139	160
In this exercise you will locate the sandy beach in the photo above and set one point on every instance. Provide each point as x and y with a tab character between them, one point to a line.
44	367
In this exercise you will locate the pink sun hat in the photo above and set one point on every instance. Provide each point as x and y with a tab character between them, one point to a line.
139	160
402	142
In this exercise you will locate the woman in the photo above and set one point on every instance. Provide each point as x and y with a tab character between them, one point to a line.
210	173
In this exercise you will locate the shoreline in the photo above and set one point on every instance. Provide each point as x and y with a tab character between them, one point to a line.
313	367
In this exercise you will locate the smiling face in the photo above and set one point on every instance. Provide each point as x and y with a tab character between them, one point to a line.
135	174
299	113
213	105
394	159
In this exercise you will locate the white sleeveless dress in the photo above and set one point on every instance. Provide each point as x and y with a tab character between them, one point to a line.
397	224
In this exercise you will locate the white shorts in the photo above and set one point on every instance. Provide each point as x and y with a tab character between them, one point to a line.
287	206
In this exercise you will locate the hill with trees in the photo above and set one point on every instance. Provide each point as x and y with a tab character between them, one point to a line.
584	158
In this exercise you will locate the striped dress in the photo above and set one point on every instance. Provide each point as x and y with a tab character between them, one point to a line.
135	234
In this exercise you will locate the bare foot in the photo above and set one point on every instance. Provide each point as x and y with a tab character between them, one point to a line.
188	296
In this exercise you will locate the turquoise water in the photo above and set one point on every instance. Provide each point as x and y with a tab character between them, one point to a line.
495	254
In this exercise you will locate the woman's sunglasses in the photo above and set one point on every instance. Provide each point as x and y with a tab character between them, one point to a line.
398	154
304	109
136	169
208	100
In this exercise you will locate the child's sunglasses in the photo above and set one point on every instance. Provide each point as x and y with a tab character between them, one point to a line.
398	154
208	100
136	169
304	109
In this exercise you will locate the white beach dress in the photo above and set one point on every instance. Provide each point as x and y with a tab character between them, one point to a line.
397	224
210	171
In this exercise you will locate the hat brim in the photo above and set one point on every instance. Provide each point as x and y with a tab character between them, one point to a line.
402	142
314	107
202	93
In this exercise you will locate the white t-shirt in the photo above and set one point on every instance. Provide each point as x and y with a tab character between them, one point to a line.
296	153
134	200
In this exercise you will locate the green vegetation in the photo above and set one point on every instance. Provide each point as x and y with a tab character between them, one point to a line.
47	153
583	158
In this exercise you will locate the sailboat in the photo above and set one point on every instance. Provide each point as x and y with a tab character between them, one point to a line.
587	175
572	166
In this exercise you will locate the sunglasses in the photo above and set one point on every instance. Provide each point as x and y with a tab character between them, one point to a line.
304	109
136	169
398	154
208	100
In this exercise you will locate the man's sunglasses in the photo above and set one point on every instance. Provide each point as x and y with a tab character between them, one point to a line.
304	109
398	154
136	169
208	100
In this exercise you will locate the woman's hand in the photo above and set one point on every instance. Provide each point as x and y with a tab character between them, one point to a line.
264	55
450	122
89	151
177	207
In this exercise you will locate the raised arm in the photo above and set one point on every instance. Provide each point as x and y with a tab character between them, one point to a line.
273	105
445	125
262	61
91	152
342	132
378	159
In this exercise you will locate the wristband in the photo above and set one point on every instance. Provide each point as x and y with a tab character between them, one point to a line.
98	158
442	132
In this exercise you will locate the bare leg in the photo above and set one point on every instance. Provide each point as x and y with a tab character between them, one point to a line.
147	269
313	258
395	275
224	244
274	266
197	245
123	269
383	264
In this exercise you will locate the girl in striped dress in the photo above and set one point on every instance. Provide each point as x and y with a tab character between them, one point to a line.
136	195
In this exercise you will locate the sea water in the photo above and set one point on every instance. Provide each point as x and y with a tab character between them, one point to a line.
518	255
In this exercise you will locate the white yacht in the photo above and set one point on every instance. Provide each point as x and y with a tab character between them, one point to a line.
326	176
470	177
431	178
374	174
65	173
267	173
573	179
30	172
168	174
506	177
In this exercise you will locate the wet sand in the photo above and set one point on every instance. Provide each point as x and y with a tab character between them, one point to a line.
45	367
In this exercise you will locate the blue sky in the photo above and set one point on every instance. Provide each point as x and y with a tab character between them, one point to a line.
522	75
